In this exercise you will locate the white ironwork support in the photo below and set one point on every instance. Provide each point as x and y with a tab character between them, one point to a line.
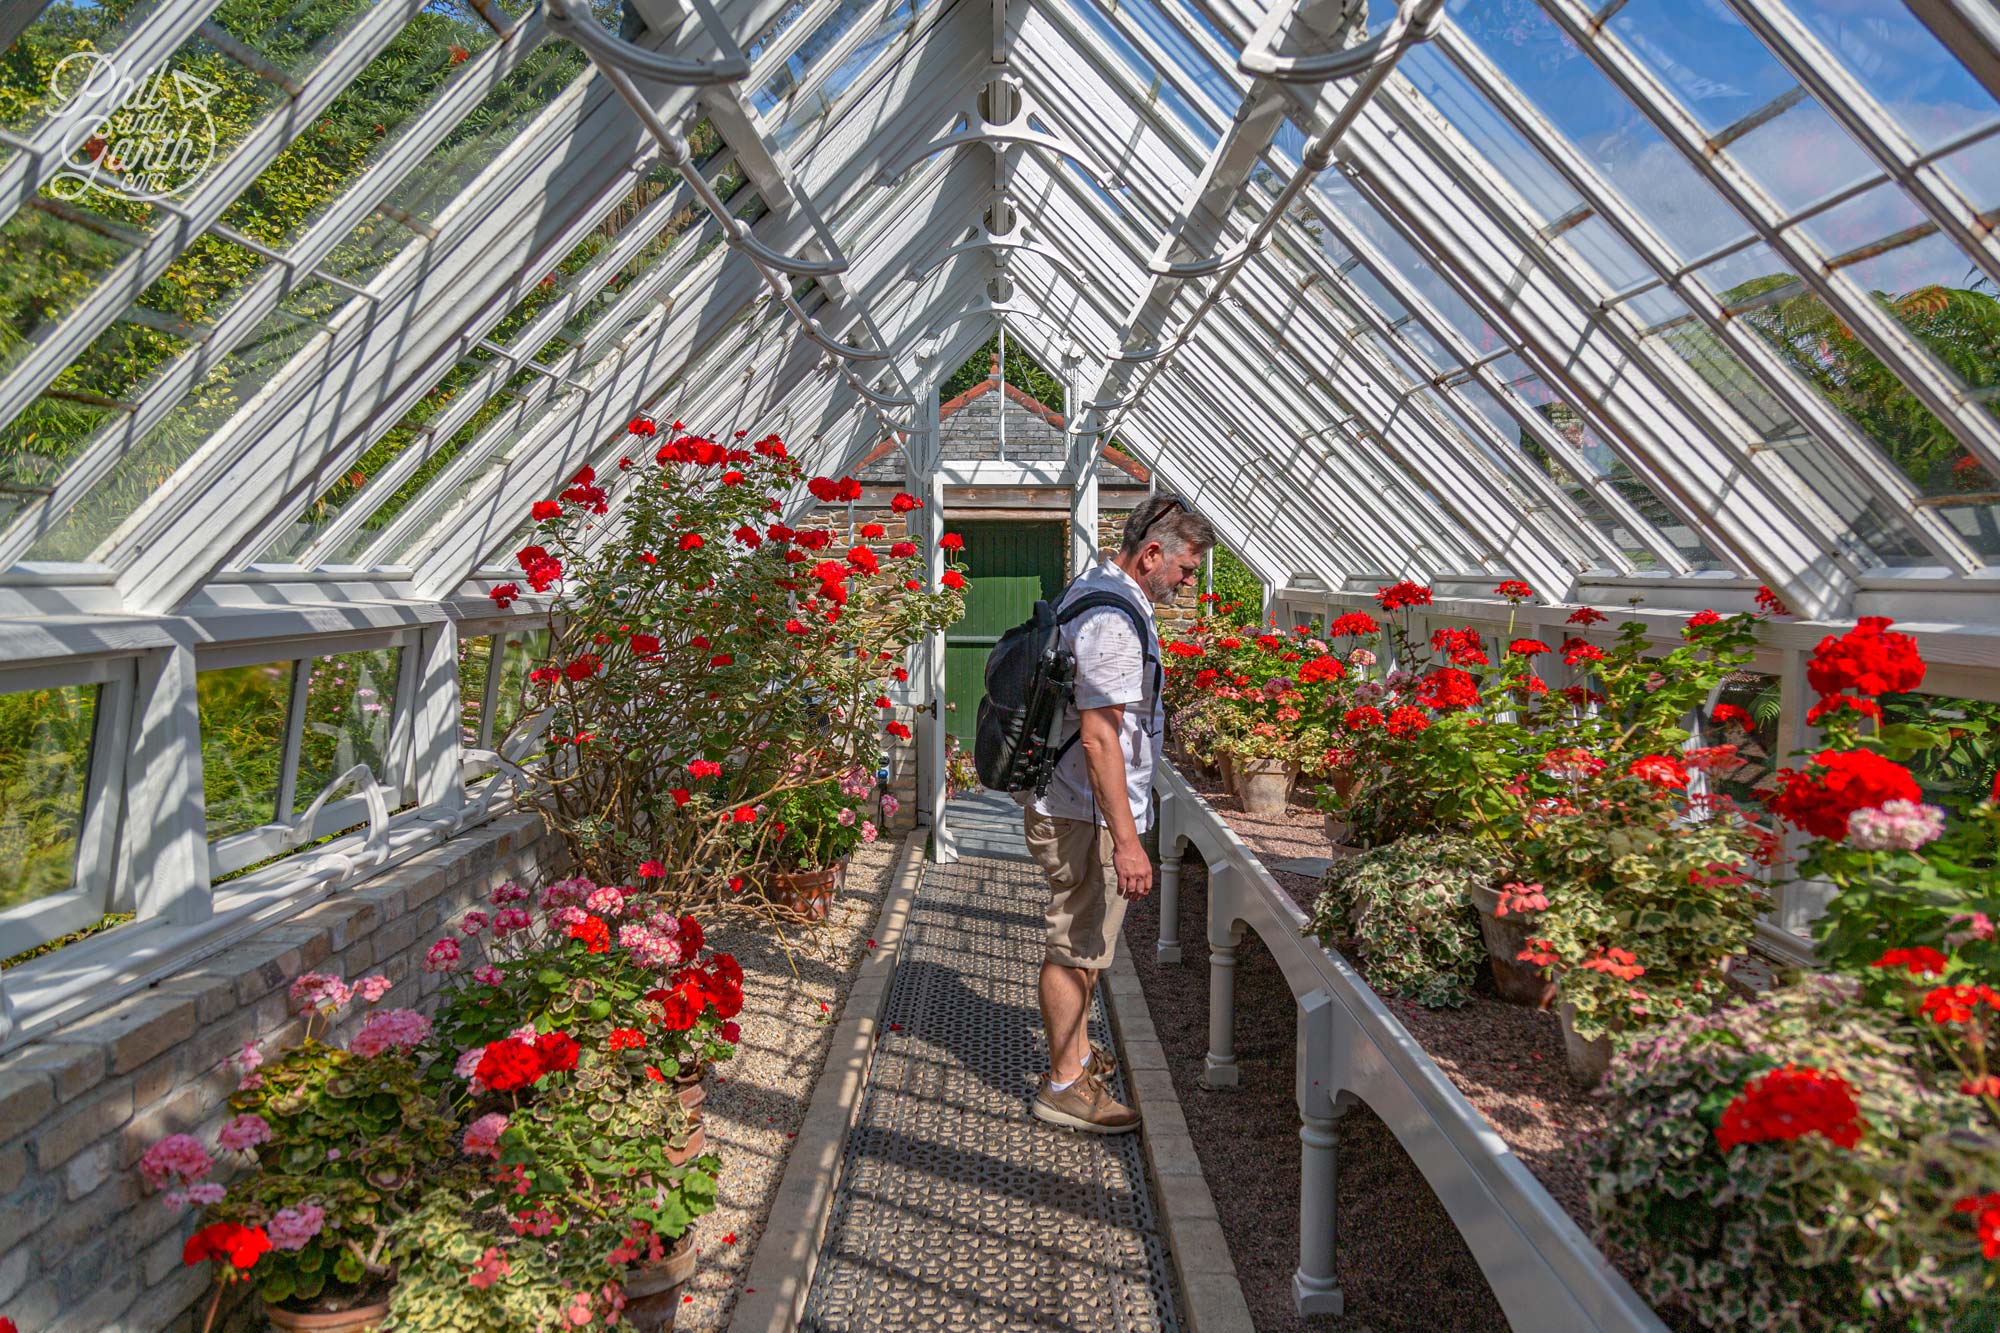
435	709
1173	853
1218	1067
1315	1284
163	846
924	480
1083	524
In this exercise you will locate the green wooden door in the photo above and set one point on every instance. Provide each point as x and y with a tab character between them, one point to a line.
1010	566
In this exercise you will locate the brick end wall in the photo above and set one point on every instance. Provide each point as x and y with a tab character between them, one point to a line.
83	1247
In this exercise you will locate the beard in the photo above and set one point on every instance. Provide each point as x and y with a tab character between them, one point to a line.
1160	586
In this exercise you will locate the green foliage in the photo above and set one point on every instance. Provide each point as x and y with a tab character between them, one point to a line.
1627	870
1409	907
353	1135
244	712
814	836
745	667
1961	326
54	264
1022	371
1800	1235
1236	585
44	774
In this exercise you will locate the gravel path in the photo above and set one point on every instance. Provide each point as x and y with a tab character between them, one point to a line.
757	1100
1402	1266
1506	1059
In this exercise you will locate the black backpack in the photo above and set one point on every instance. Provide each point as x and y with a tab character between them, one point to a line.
1030	679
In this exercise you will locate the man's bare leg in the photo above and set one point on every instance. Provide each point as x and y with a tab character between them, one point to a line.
1065	999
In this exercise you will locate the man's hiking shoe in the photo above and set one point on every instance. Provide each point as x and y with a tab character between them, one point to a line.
1085	1105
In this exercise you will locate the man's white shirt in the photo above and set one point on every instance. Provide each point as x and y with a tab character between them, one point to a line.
1111	668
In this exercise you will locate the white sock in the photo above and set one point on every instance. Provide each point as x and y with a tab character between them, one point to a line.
1058	1087
1086	1058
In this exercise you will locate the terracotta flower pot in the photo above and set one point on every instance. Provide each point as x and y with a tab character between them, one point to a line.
806	894
696	1145
653	1291
1225	764
1506	936
691	1095
1338	830
1589	1060
1263	784
361	1319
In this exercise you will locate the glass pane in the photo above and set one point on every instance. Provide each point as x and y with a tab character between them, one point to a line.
1893	55
367	116
475	660
148	463
519	653
44	775
244	711
1726	79
1757	752
120	363
350	704
499	120
1559	80
1931	289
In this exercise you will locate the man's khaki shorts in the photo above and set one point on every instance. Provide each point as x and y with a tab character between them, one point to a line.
1085	909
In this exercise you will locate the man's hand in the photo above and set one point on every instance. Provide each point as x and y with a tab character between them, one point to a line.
1135	870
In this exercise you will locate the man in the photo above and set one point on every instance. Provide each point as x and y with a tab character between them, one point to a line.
1085	831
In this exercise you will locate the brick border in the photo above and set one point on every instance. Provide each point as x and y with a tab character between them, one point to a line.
1211	1296
774	1289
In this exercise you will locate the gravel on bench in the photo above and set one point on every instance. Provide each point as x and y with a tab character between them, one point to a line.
1401	1263
1507	1059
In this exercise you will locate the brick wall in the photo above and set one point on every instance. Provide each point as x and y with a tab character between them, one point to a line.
83	1247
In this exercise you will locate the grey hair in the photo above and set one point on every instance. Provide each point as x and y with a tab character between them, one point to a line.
1168	520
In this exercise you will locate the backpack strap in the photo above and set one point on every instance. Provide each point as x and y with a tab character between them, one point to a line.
1149	650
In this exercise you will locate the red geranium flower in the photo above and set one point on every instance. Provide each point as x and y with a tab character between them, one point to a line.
1918	962
1866	660
545	509
1321	669
1985	1209
503	594
952	579
902	550
1406	593
508	1064
1406	721
1585	615
951	541
1447	689
1769	604
1661	771
1728	714
596	936
1790	1103
625	1039
1837	783
898	730
903	502
645	645
233	1244
1514	591
1698	622
1957	1004
1364	718
1352	623
1527	647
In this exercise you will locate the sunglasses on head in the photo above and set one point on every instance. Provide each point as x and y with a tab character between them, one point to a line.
1173	504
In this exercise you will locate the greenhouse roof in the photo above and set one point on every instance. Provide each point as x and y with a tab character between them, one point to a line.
308	301
1667	293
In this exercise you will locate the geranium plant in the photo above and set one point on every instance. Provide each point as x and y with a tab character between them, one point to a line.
698	647
1407	907
1794	1164
335	1142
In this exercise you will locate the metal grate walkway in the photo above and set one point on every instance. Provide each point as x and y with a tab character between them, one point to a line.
956	1209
